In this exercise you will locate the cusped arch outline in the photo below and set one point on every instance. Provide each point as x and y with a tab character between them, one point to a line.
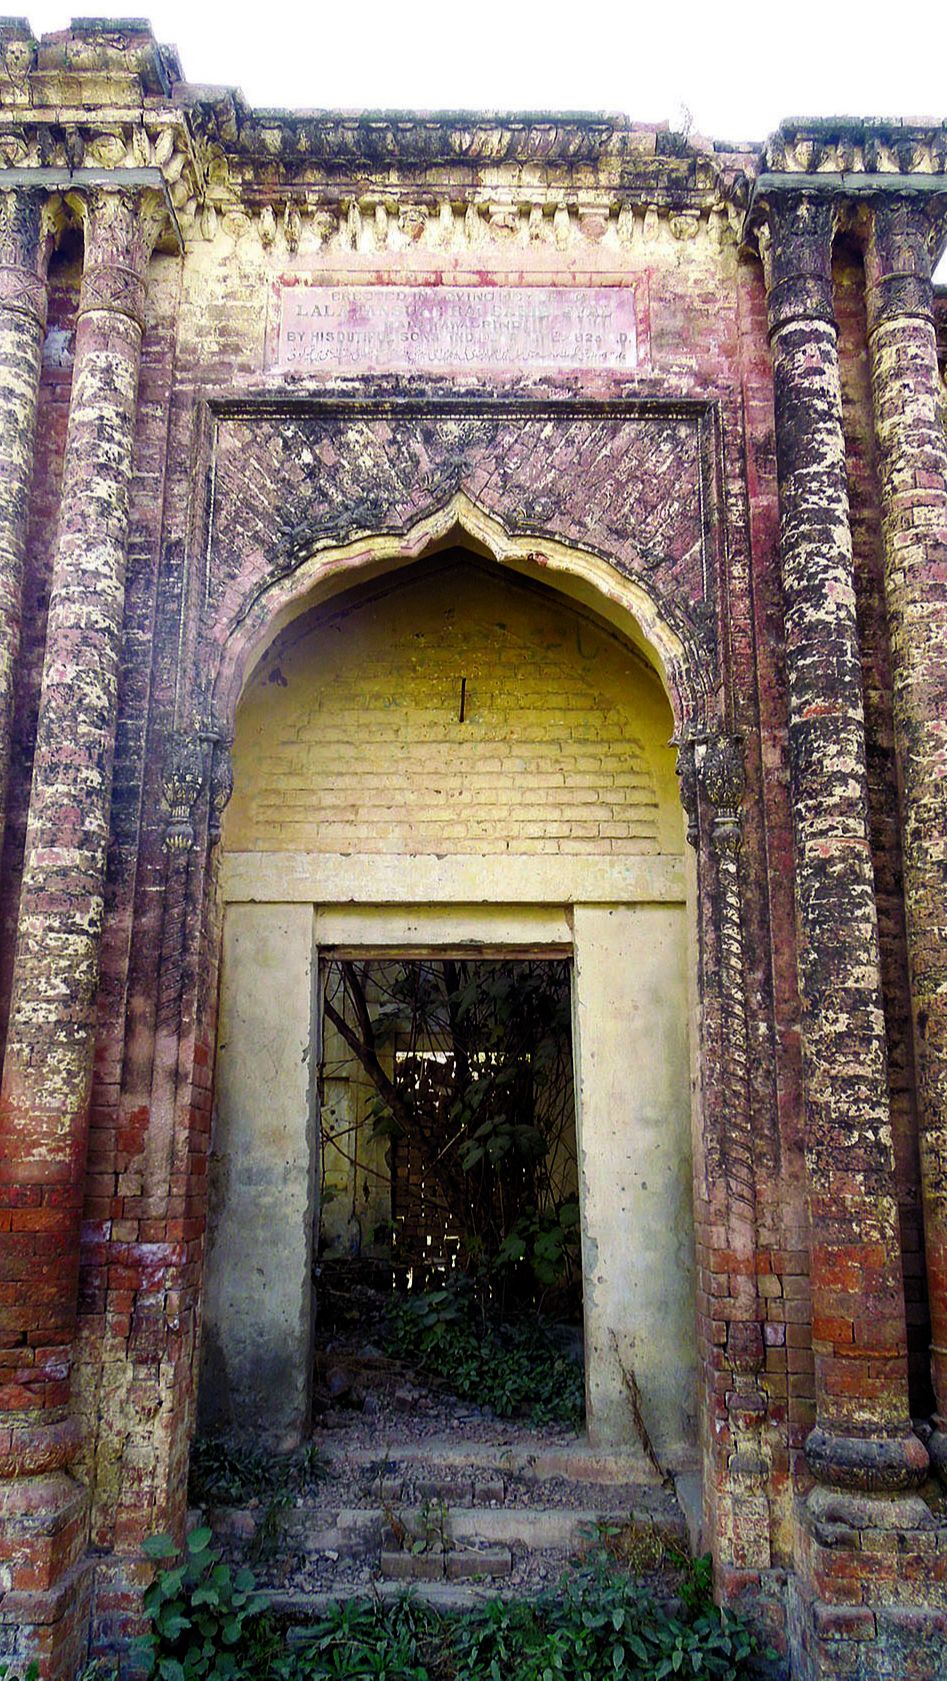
575	572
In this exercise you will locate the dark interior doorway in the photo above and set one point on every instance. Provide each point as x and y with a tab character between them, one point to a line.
449	1207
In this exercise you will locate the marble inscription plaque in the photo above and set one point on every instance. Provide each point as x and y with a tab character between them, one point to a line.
391	329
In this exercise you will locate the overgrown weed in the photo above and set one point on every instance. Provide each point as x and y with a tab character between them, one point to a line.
597	1624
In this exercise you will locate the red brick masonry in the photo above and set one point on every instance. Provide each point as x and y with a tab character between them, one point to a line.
766	475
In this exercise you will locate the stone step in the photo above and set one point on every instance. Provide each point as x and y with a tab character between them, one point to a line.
572	1458
450	1597
352	1532
455	1564
539	1528
484	1488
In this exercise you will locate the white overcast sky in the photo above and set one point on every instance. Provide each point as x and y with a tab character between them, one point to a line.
735	68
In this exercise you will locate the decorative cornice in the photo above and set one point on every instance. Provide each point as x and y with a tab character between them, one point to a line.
425	140
50	149
105	95
851	145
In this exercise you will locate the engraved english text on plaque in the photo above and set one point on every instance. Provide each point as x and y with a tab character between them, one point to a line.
392	329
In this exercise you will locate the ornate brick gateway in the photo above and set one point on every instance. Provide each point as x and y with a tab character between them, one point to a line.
683	396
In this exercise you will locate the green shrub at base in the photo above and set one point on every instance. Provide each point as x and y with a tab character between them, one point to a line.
200	1611
598	1624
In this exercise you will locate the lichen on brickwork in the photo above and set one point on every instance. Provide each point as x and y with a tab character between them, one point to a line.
261	376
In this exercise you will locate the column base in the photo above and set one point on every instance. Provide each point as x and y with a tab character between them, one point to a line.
867	1464
869	1597
45	1575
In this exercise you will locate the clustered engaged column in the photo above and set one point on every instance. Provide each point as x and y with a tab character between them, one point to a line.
723	778
862	1438
913	462
23	255
45	1093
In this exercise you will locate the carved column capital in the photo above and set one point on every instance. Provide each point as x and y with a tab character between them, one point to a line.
181	784
24	251
904	231
722	774
122	225
796	247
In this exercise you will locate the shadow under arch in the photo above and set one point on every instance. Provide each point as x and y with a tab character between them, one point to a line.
655	983
573	571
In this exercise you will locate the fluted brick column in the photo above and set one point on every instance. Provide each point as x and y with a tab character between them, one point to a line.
23	254
913	463
862	1438
47	1071
44	1098
721	771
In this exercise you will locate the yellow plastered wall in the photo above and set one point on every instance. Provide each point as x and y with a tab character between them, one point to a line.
349	737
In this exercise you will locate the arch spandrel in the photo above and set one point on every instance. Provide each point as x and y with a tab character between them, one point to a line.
612	509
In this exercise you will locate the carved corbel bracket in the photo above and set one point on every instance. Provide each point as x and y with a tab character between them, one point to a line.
221	784
686	768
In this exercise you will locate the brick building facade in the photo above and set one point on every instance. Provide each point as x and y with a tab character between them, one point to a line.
693	388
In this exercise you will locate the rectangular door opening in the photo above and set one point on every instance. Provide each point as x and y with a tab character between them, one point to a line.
448	1255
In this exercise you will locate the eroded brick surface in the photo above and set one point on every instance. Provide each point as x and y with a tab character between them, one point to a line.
762	492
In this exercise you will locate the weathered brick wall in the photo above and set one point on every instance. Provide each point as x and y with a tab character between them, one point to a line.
661	481
349	737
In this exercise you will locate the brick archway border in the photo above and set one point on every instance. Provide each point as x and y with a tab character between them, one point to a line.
622	506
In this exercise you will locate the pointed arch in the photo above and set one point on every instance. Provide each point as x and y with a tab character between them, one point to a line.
621	600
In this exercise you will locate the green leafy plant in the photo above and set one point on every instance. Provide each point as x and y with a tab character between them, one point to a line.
269	1529
432	1528
601	1623
597	1624
515	1368
100	1669
548	1241
199	1610
227	1470
362	1641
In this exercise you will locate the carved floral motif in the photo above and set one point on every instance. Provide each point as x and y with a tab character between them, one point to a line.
182	781
23	252
724	780
121	228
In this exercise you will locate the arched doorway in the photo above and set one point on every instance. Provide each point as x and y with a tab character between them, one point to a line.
450	758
